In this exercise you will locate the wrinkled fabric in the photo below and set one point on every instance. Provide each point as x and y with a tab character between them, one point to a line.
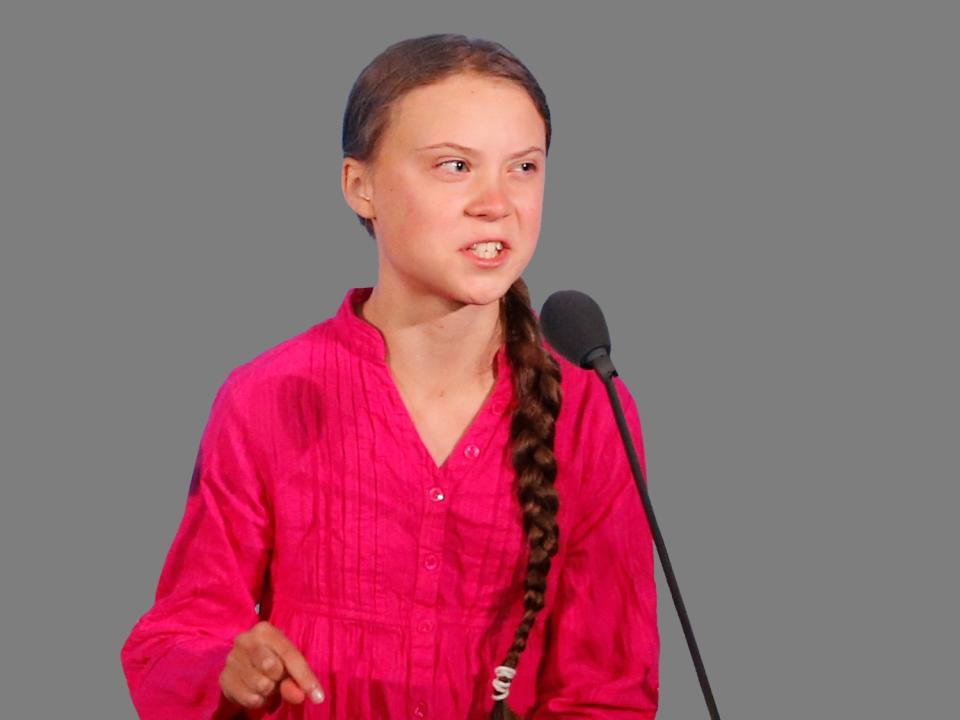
314	504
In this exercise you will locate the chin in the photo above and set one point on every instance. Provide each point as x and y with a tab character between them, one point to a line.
491	293
477	298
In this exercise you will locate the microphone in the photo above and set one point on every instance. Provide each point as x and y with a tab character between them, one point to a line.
572	322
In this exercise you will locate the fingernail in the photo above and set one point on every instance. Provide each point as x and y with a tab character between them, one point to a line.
268	663
317	695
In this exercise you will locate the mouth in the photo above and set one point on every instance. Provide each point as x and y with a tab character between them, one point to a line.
487	248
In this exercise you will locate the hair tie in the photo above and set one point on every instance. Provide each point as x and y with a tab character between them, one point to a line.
502	682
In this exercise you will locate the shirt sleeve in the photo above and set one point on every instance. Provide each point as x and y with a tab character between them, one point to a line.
211	579
602	643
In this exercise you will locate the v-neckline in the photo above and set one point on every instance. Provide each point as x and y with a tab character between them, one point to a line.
472	429
366	339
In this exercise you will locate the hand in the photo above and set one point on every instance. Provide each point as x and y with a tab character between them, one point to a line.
263	661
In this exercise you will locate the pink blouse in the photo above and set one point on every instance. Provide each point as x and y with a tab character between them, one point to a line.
314	504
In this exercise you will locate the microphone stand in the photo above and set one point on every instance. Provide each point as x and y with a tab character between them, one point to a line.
600	361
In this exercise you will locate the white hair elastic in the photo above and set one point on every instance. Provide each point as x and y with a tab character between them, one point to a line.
502	682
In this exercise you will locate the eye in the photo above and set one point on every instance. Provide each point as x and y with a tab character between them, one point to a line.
447	162
532	165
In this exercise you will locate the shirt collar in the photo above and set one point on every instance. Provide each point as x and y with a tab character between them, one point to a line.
365	339
356	334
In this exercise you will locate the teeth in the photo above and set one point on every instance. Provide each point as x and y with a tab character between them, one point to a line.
486	249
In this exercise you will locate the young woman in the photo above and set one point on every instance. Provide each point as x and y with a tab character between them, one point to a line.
415	508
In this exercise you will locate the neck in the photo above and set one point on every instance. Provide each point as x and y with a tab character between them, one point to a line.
434	343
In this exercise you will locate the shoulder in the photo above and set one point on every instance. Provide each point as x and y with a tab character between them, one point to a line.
597	472
290	359
587	432
585	403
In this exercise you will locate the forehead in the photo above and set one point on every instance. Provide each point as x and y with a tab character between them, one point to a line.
468	109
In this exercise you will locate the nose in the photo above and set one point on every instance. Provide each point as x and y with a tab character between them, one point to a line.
491	199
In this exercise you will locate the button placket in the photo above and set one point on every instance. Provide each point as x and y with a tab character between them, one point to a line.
423	620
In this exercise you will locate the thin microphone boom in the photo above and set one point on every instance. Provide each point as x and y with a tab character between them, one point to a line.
573	323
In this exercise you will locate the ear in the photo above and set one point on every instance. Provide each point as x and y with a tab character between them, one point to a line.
356	187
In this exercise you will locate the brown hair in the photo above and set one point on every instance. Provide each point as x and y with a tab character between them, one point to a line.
400	68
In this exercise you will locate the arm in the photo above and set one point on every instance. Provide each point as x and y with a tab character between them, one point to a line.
601	658
211	579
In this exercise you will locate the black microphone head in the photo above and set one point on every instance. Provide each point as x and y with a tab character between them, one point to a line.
573	324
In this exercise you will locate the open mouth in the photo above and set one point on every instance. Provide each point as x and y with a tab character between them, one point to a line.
486	250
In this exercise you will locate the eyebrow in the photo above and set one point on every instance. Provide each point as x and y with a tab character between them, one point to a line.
465	149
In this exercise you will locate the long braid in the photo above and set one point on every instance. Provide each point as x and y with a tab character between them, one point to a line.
536	385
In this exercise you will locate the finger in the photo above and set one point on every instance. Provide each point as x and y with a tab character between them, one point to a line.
244	698
235	688
267	662
252	676
255	681
296	666
290	691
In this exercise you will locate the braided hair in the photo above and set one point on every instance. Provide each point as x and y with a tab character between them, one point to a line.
400	68
536	389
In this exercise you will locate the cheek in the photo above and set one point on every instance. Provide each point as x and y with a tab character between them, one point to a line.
531	211
534	206
530	199
398	215
413	225
418	210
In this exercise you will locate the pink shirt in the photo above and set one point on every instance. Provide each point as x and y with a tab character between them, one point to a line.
401	582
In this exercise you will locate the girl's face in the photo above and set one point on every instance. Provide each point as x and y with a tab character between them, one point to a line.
430	200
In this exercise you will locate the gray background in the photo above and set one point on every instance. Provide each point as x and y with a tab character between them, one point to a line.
761	195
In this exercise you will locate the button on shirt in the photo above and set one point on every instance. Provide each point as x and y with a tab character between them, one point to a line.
314	504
